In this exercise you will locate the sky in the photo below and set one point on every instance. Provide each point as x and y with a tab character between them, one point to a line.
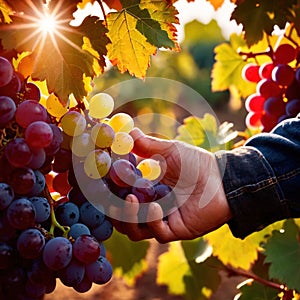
200	10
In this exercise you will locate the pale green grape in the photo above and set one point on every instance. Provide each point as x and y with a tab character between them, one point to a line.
101	105
73	123
82	145
97	164
102	135
150	168
122	144
121	122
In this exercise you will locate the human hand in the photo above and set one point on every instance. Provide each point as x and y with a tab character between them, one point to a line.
193	173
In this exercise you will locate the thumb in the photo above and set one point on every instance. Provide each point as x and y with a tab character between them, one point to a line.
147	146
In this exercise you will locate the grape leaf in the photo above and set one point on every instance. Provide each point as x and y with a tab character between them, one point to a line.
258	291
283	252
5	12
129	49
264	15
237	252
128	258
166	15
227	71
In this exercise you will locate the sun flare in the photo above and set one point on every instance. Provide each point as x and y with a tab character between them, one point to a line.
47	24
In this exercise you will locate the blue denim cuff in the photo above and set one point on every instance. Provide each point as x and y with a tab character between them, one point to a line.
252	190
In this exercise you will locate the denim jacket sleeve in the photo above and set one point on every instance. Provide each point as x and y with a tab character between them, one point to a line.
262	179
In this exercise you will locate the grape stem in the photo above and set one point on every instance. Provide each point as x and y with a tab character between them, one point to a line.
103	10
54	223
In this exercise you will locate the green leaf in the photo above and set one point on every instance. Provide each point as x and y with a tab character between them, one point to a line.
227	71
258	291
260	16
128	258
236	252
283	252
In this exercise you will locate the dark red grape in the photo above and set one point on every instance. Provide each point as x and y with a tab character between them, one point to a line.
32	92
86	249
22	180
268	88
144	190
122	173
6	71
7	110
283	74
284	54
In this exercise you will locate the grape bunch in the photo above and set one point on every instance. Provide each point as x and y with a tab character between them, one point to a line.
61	169
277	95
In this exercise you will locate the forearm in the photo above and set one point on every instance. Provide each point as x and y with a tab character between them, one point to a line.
261	179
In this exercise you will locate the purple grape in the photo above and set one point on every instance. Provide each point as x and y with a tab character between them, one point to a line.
165	196
12	88
274	106
77	230
62	161
100	271
18	152
57	253
38	158
21	214
86	249
42	208
73	274
283	74
122	173
144	190
34	289
7	110
103	231
56	140
39	272
67	214
6	195
22	180
6	71
293	107
39	185
38	134
7	256
83	286
90	215
30	243
32	92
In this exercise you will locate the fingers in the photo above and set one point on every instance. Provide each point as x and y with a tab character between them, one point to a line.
147	146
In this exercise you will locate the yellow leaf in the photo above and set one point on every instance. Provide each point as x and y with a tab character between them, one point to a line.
236	252
216	3
129	49
5	12
173	266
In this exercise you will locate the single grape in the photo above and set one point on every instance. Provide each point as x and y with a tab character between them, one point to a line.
103	231
293	91
86	249
73	123
100	271
77	230
254	103
250	72
57	253
31	92
122	173
268	122
97	164
275	106
6	71
150	168
122	144
121	122
90	215
30	243
6	195
76	196
83	286
253	120
56	140
102	135
42	208
265	70
284	54
7	110
67	214
165	196
101	105
22	180
39	272
30	111
7	256
293	107
283	74
38	158
21	214
38	134
38	185
268	88
12	88
144	190
82	145
62	161
18	152
73	274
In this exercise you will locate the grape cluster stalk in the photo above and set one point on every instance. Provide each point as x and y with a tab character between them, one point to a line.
60	171
277	95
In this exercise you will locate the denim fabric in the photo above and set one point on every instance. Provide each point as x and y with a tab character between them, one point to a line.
262	179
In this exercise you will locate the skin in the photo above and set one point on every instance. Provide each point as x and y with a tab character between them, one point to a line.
201	202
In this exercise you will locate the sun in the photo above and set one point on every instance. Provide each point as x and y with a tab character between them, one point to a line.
47	24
